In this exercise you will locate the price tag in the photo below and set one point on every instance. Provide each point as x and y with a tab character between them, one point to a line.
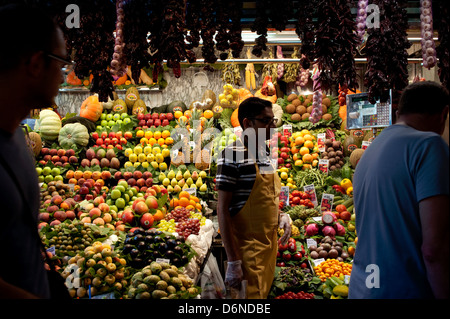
310	242
321	142
365	144
346	279
311	190
318	261
72	187
52	250
323	165
317	219
327	202
192	191
162	260
287	130
104	296
284	195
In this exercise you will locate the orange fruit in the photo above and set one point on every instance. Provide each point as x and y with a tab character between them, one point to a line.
208	114
168	141
78	174
299	141
315	155
199	206
158	215
157	135
184	194
165	134
161	141
190	207
298	162
195	199
148	134
183	201
173	202
307	158
304	150
308	137
308	144
192	202
144	141
315	162
152	141
183	119
294	150
87	174
187	113
73	181
101	181
177	114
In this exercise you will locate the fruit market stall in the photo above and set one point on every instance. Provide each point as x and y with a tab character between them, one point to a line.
127	165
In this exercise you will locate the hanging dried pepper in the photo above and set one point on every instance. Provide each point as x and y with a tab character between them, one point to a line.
208	30
135	29
444	44
193	24
236	43
335	45
260	27
93	45
223	25
281	12
173	47
387	58
154	38
304	27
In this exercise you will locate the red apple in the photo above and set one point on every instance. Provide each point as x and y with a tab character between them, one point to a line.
151	202
141	208
147	220
165	122
95	135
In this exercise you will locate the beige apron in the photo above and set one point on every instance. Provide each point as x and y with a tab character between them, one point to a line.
255	230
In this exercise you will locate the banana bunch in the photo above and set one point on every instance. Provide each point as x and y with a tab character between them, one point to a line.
250	79
291	69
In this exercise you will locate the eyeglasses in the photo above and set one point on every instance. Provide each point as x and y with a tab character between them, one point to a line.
265	120
67	64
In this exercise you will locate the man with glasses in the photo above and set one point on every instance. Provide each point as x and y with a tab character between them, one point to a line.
248	196
31	60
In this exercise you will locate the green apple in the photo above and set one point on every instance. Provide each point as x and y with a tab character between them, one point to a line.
48	179
104	123
46	171
124	184
119	122
126	197
126	120
109	117
124	115
120	203
41	178
56	171
111	123
116	116
120	188
58	178
39	170
103	116
115	194
114	208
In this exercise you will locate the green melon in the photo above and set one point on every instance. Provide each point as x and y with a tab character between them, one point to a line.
176	106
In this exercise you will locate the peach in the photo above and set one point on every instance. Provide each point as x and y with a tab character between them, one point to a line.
104	207
106	175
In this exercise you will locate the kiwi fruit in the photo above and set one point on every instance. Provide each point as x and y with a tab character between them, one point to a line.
290	108
296	117
296	102
292	97
301	109
305	116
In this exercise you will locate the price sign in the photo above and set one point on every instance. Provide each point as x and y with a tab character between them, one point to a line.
311	190
323	165
327	202
284	195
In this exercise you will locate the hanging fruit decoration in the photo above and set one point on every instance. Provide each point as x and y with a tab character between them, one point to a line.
443	51
426	26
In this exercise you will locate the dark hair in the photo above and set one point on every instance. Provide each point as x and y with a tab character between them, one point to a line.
424	97
24	30
251	107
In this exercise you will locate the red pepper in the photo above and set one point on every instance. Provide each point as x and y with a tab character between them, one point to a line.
339	189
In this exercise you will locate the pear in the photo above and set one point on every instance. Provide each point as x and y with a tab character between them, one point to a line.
199	182
185	186
171	174
202	174
203	188
179	176
189	181
166	182
195	175
173	181
176	189
161	176
181	182
187	174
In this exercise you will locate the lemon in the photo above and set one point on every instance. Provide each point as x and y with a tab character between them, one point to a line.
163	166
165	152
150	158
128	151
159	158
154	164
145	164
133	158
136	164
142	158
127	164
147	150
284	175
156	150
137	150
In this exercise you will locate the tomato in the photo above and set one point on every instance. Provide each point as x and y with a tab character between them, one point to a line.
295	200
282	247
292	247
296	193
297	256
305	195
287	256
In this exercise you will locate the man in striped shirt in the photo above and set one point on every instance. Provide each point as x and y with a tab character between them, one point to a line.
248	213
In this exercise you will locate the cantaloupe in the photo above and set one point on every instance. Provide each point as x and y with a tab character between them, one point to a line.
355	156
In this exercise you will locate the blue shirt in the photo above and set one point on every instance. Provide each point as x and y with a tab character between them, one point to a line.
401	167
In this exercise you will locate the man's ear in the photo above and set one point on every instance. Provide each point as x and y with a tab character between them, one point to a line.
247	123
35	64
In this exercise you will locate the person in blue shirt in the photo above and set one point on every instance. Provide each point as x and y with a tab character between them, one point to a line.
401	195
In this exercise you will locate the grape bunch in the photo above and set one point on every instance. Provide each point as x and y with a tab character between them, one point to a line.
299	295
188	227
199	216
167	225
179	214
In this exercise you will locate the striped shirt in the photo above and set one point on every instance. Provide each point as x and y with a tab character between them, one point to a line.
236	172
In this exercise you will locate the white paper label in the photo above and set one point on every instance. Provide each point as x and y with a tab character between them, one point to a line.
192	191
284	195
365	144
321	142
327	202
162	260
311	190
323	165
318	261
287	130
310	242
